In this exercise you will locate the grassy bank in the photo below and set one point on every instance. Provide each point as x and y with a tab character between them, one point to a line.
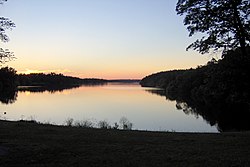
31	144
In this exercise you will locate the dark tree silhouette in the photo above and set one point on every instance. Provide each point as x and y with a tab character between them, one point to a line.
5	24
8	85
218	91
225	23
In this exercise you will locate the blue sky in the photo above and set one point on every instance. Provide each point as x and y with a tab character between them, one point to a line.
98	38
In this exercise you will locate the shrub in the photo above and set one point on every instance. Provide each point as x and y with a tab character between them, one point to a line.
125	124
84	124
104	124
69	121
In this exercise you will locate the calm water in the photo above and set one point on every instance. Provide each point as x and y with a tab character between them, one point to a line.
146	110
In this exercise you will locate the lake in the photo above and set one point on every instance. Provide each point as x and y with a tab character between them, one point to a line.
146	108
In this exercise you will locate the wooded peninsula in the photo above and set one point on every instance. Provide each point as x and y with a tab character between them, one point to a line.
219	90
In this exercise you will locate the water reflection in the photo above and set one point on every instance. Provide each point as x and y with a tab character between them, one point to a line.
41	89
8	96
53	89
227	117
159	92
106	102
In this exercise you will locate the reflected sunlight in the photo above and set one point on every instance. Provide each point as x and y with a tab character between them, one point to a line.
107	102
27	93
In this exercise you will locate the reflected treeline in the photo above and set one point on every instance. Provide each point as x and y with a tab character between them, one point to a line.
8	96
218	91
11	83
54	89
227	117
41	89
8	83
53	82
160	92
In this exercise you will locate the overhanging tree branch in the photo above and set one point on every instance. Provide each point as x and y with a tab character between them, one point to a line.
225	23
5	24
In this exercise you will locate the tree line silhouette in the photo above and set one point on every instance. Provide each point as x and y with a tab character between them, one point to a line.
5	24
218	91
55	80
8	85
10	82
224	24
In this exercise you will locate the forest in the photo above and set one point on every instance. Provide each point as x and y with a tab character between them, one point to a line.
9	79
218	91
213	91
53	79
11	83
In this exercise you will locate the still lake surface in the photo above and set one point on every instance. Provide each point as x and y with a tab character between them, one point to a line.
146	110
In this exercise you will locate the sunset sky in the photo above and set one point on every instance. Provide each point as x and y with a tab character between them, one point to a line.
109	39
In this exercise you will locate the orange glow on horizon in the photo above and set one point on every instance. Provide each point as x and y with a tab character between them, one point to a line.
102	75
32	71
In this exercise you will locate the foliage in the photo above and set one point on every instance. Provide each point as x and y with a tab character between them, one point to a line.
5	55
84	124
1	1
125	123
225	23
69	121
52	82
8	96
53	79
7	78
80	124
26	144
218	91
104	125
41	79
5	24
50	89
8	85
116	126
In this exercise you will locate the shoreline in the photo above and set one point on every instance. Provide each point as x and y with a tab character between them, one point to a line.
31	144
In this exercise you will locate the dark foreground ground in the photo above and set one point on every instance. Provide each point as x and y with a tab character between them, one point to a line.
31	144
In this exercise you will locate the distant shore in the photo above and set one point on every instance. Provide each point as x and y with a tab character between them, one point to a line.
25	143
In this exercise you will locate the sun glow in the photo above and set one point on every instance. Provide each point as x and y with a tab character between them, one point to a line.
27	93
32	71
